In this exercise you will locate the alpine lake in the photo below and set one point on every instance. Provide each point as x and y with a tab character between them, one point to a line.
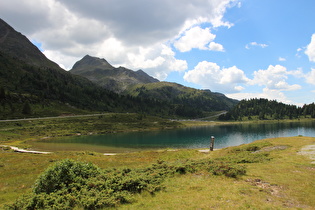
189	137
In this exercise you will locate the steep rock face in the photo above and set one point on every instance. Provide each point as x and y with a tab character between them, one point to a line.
102	73
18	46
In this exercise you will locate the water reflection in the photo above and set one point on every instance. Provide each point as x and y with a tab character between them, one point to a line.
192	137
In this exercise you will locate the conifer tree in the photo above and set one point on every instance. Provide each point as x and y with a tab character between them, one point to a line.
26	108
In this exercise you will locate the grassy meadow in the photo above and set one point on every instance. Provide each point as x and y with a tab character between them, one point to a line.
18	133
266	174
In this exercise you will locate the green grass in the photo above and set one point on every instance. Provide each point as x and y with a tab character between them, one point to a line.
19	132
41	109
276	178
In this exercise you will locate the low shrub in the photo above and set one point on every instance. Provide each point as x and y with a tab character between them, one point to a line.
227	170
251	147
71	184
246	157
64	174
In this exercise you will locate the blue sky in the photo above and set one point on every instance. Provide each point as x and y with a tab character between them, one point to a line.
264	33
241	48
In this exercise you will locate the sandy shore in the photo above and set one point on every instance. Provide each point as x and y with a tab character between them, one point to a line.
16	149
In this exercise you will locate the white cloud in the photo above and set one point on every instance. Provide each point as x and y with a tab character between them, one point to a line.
117	30
266	93
141	21
158	61
298	73
216	47
310	49
198	38
195	37
274	78
310	77
274	82
211	76
299	51
248	46
282	59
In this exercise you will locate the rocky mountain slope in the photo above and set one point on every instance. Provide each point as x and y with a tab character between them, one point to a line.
102	73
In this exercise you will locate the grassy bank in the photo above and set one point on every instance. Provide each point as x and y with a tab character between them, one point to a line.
276	177
253	121
18	133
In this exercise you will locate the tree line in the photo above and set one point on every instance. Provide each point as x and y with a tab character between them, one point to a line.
25	88
264	109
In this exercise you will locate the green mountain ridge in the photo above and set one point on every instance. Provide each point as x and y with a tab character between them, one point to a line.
140	84
179	94
104	74
27	77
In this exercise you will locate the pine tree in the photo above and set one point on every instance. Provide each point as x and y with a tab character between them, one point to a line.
26	108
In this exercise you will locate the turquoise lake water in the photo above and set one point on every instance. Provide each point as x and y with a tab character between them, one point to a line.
192	137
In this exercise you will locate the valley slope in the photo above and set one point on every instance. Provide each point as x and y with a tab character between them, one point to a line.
187	101
32	86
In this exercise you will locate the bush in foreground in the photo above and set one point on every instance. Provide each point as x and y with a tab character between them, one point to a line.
68	184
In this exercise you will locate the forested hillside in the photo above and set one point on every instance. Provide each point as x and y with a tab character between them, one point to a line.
22	83
33	86
196	100
31	91
183	101
263	109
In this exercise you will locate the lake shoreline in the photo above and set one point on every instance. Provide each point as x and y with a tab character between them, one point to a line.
189	137
34	130
265	179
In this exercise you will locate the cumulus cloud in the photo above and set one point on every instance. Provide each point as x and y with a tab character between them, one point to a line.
255	44
211	76
310	49
266	93
274	82
141	22
216	47
195	37
282	59
159	57
123	32
27	16
199	38
274	78
310	77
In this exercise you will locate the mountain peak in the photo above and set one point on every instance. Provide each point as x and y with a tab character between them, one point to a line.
102	73
89	63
